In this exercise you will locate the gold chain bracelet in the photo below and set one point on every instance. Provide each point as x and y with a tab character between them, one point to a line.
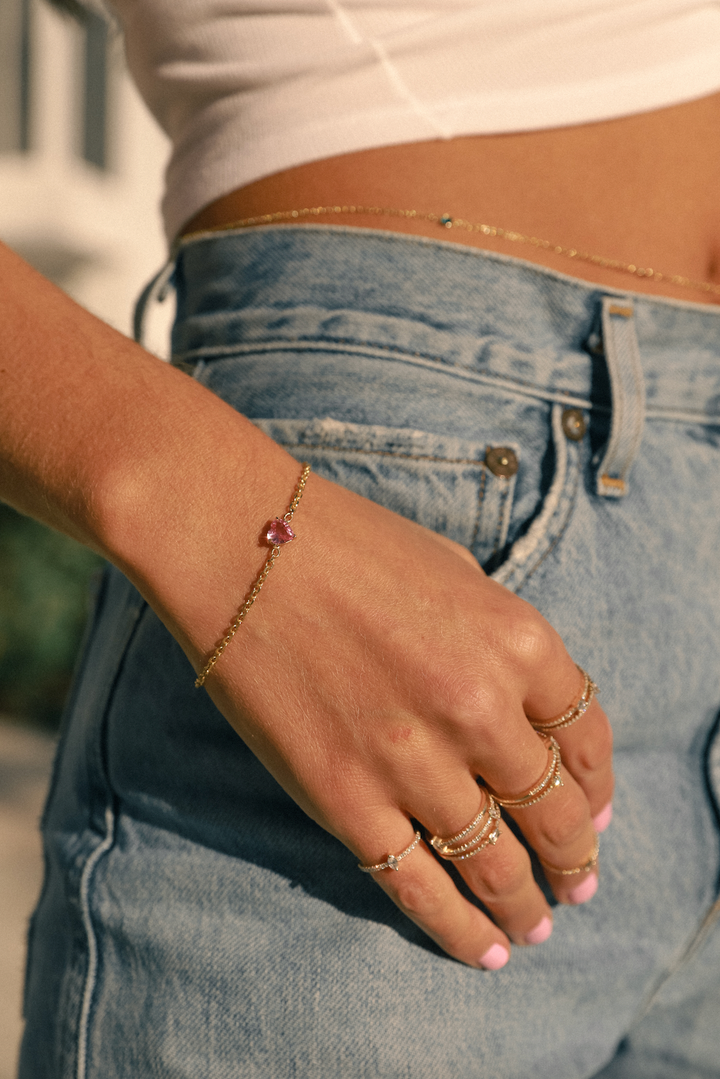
447	221
278	532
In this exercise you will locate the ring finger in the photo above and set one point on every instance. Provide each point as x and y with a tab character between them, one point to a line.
497	869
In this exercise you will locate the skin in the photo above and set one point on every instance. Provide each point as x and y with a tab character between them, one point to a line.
91	432
641	189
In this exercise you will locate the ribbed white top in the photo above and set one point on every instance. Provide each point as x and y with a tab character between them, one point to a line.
245	88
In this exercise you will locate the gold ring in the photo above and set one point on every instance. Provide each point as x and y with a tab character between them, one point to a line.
575	710
586	866
392	859
475	836
551	779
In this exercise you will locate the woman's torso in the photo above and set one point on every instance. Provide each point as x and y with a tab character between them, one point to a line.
584	122
641	189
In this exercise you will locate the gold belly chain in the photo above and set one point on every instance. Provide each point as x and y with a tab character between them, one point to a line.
447	221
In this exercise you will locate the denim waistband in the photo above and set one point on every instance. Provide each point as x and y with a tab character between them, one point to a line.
479	314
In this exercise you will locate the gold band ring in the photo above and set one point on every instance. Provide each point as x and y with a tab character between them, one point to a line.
551	779
392	859
575	710
482	830
586	866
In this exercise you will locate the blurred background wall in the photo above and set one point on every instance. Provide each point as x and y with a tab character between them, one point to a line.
81	166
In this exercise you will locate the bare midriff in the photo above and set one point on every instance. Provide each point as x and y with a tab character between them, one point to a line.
642	189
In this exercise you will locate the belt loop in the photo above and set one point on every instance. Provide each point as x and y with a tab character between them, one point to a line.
628	396
155	291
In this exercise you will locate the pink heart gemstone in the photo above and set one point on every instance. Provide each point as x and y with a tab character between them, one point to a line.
279	532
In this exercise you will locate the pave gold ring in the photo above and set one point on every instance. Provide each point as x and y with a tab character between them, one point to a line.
585	867
550	779
483	830
392	860
574	711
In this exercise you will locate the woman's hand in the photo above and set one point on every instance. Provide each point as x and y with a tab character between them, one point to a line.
378	675
380	672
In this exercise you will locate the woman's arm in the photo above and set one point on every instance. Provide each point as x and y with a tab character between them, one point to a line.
381	670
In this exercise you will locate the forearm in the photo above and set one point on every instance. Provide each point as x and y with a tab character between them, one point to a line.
105	442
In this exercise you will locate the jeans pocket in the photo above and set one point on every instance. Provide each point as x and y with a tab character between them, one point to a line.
460	488
543	531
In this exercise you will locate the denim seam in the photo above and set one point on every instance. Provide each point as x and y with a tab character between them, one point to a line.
381	453
91	974
524	548
639	380
674	967
560	534
335	344
505	490
98	585
565	397
478	253
513	573
481	496
678	415
528	389
132	608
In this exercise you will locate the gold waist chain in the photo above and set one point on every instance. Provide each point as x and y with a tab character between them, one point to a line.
448	222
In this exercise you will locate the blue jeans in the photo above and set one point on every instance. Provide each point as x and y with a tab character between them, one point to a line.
194	922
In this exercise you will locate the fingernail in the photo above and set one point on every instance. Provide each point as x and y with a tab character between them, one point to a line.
495	957
541	932
584	891
603	818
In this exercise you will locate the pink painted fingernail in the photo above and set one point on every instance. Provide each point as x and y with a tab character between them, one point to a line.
603	818
541	931
495	957
582	892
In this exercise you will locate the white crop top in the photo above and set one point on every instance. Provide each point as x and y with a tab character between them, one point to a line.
246	88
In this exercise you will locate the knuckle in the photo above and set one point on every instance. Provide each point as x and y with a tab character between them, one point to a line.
534	640
502	877
566	825
596	748
419	896
477	708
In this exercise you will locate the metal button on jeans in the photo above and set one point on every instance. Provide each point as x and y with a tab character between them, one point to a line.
501	460
573	424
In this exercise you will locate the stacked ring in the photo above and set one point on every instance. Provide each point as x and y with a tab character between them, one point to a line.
550	780
574	711
474	837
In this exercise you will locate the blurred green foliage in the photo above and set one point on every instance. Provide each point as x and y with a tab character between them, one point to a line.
44	580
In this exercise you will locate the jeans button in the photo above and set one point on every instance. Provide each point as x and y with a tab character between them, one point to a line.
573	424
501	460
